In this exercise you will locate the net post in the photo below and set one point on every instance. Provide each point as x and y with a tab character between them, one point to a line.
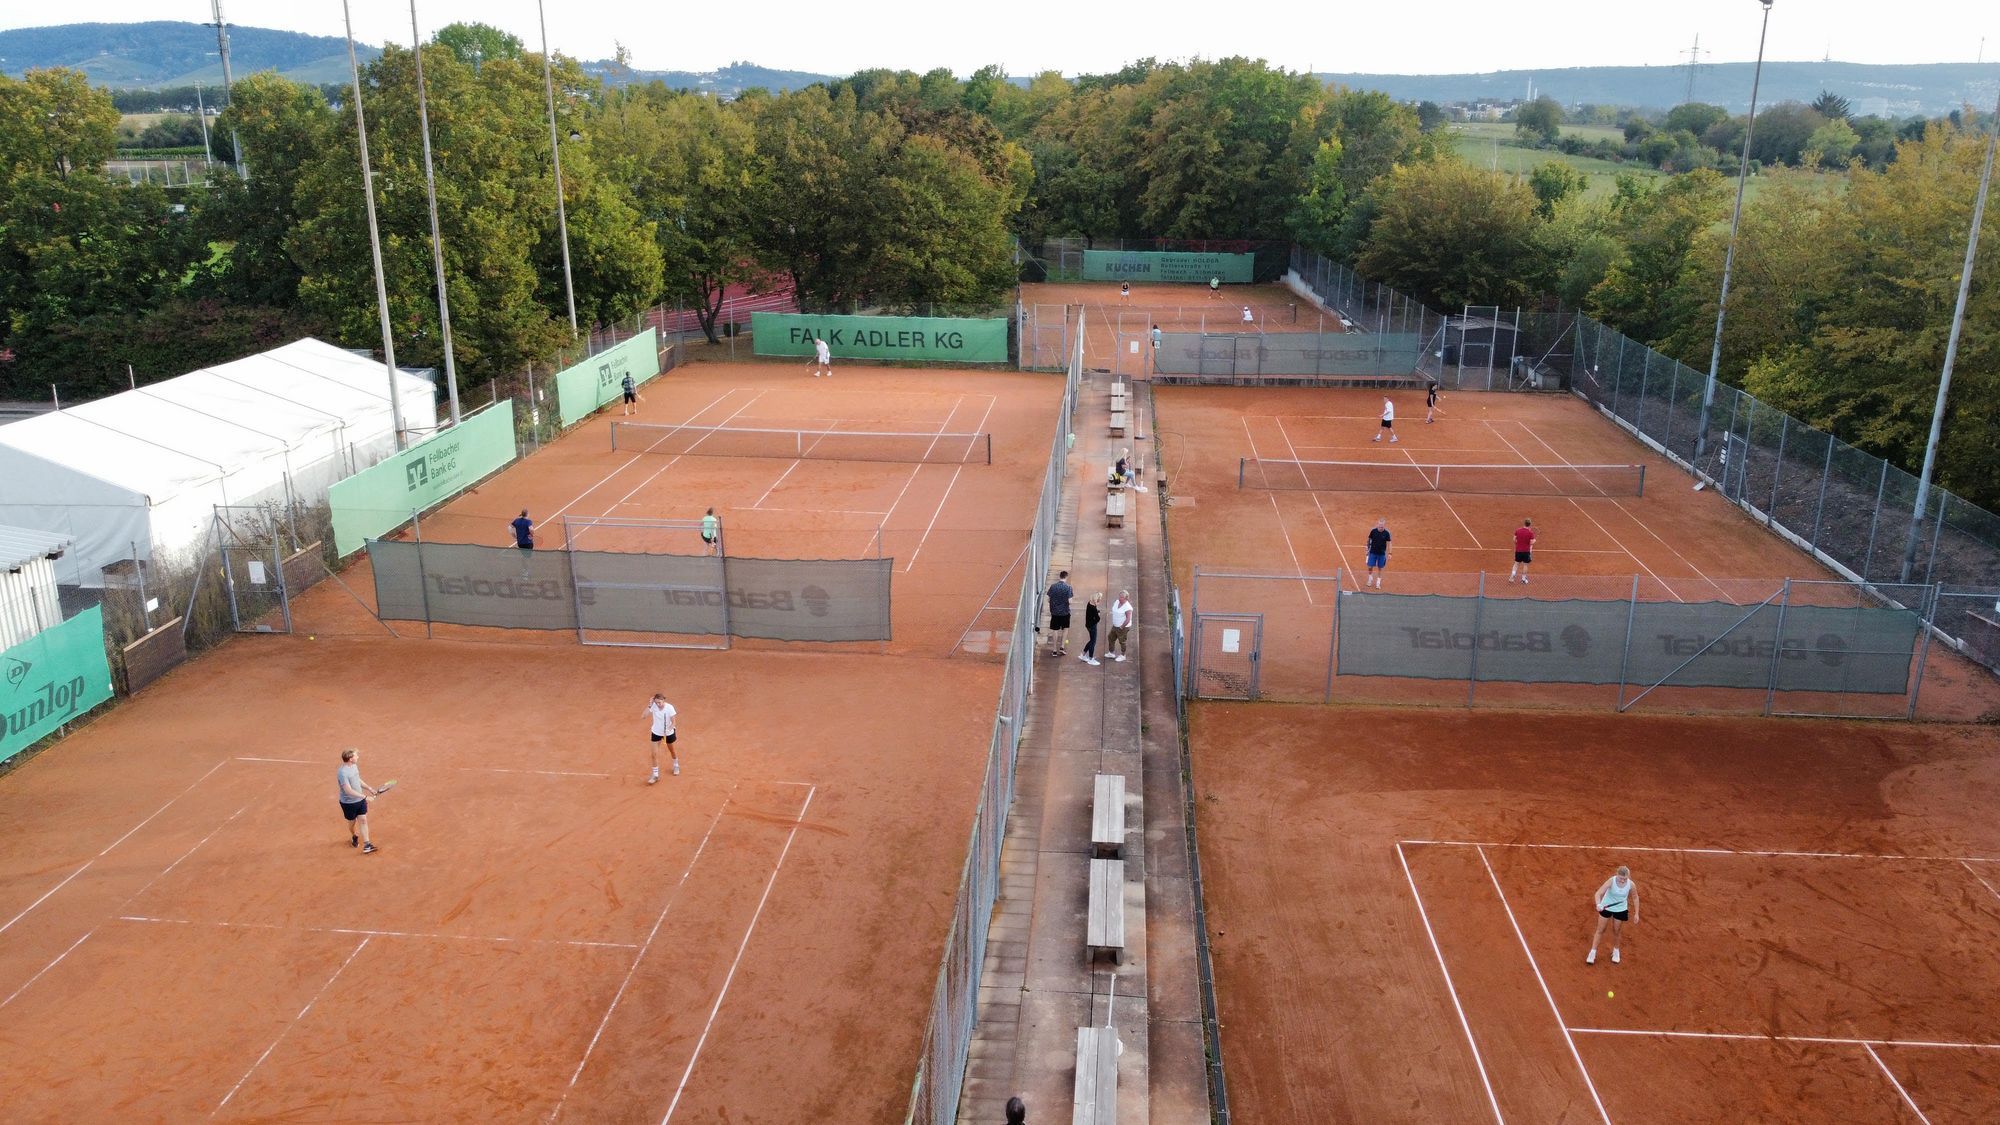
1927	626
421	577
1240	463
1777	648
1625	660
575	587
1333	636
989	447
1478	618
1642	478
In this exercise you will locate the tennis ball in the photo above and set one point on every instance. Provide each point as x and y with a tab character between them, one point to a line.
1610	994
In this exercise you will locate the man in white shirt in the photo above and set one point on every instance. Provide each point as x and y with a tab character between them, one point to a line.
822	359
1388	420
660	715
1121	626
1248	316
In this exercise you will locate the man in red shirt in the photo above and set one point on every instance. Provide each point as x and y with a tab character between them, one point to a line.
1524	550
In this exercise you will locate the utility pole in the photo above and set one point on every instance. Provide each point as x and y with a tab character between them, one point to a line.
201	114
228	86
375	239
1694	66
437	239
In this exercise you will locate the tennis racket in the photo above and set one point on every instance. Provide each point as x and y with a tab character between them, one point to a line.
385	787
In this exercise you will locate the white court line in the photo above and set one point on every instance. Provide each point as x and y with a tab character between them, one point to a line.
781	479
827	511
1706	851
289	1027
1328	524
1546	994
1643	525
1282	530
355	931
1833	1040
882	525
925	538
542	773
47	967
1417	895
107	848
285	761
641	955
675	459
634	459
1981	878
1447	505
1907	1099
1641	563
741	946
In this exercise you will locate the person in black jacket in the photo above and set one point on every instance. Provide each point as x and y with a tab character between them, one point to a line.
1090	619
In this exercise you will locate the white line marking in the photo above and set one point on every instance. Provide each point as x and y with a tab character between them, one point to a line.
1328	524
1907	1099
641	955
1446	503
1981	878
676	458
359	932
1282	530
1637	561
1759	1038
289	1027
781	479
689	421
107	848
1417	895
542	773
976	427
1546	994
1705	851
285	761
741	946
47	967
824	511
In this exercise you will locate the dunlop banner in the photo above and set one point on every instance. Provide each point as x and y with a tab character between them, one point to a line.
52	678
1693	644
583	387
1167	266
381	497
949	339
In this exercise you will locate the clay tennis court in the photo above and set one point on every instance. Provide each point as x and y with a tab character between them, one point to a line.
1680	545
185	930
1114	324
1399	904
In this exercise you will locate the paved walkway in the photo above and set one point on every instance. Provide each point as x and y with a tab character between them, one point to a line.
1038	984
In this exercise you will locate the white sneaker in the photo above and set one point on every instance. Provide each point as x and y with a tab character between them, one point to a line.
677	769
1092	663
1392	440
655	779
1119	657
1524	580
1614	956
1590	958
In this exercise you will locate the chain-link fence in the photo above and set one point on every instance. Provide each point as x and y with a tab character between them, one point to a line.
1850	509
1061	259
934	1096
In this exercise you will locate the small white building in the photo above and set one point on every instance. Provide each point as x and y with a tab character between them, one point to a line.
28	599
138	475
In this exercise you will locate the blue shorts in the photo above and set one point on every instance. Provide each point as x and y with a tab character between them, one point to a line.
1378	561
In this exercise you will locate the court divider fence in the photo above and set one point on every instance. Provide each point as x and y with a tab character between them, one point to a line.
940	1074
1768	646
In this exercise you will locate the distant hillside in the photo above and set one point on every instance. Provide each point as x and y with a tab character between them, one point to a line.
727	82
1891	91
162	53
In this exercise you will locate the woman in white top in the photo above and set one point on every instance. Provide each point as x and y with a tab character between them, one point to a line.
660	717
1617	903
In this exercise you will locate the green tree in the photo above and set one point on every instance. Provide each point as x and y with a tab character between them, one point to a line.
290	128
1430	115
53	122
1832	106
1540	120
1784	132
1644	293
1834	141
1454	235
476	44
1694	117
1554	181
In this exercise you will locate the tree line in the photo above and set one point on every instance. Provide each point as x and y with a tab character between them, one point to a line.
893	189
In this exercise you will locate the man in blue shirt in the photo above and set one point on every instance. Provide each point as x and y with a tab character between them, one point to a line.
524	532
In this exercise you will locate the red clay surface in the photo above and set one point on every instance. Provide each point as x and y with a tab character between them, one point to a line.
186	932
1113	324
1856	977
1681	544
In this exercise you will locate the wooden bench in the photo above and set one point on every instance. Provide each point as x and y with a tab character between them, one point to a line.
1107	816
1104	932
1096	1100
1118	423
1114	508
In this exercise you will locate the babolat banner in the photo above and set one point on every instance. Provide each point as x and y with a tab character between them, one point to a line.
1227	355
381	497
584	387
950	339
52	678
1692	644
1167	266
508	588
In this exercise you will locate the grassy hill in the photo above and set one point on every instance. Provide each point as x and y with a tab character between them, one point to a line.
164	53
1492	144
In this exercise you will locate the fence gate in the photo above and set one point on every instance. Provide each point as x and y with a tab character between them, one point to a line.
253	570
1226	651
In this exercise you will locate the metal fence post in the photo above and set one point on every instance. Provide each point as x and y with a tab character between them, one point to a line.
1819	508
1928	626
1478	618
1625	660
1777	648
423	579
1778	469
1937	534
1333	638
1875	521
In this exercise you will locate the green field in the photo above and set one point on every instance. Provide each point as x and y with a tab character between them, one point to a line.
1492	144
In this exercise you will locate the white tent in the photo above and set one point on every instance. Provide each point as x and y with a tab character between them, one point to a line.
139	474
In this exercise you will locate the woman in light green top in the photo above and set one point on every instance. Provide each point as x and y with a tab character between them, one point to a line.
711	531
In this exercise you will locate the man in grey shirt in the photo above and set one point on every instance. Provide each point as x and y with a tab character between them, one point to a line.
1059	596
354	794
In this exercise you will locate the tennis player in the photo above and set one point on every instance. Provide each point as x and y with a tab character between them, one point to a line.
1378	552
1430	402
660	714
354	794
1388	420
1524	550
1214	288
1125	291
711	530
1248	316
822	358
1617	903
631	389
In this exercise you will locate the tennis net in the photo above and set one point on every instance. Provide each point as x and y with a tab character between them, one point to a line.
1490	480
819	445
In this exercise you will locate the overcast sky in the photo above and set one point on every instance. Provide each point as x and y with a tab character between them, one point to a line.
1026	36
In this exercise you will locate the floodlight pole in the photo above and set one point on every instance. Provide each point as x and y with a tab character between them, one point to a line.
374	237
228	88
437	239
1950	356
555	154
1729	255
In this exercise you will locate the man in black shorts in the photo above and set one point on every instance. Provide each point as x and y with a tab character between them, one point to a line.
1431	403
631	389
1059	596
